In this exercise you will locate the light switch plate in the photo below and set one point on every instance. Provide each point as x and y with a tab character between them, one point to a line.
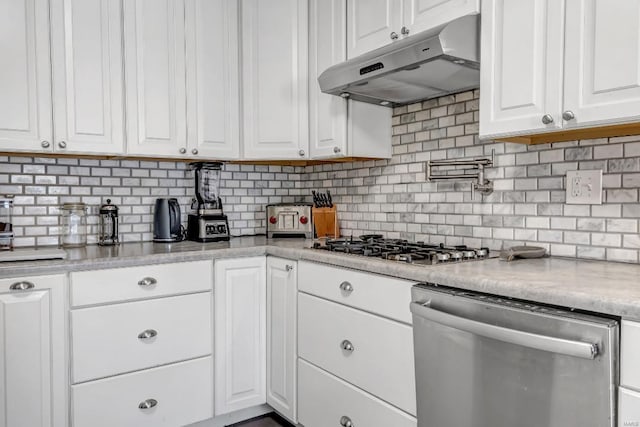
584	187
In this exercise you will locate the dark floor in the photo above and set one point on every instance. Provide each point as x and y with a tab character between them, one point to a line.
269	420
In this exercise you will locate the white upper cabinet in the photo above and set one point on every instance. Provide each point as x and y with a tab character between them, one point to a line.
274	79
372	24
375	23
327	47
25	76
602	62
212	78
521	72
337	127
88	81
421	15
154	45
551	65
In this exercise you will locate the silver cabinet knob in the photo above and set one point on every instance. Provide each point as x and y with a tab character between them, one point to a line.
147	404
147	281
62	144
346	421
568	115
404	31
336	150
183	150
288	267
301	153
194	151
393	35
346	287
147	334
45	144
347	346
22	286
547	119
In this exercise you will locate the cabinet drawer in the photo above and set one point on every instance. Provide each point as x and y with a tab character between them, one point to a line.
628	408
122	284
183	392
630	355
107	340
378	294
324	399
381	361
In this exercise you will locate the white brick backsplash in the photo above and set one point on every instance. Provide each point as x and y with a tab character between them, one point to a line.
386	196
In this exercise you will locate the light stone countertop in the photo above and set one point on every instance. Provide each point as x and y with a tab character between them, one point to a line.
602	287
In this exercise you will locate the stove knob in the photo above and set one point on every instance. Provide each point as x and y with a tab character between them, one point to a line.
273	220
304	220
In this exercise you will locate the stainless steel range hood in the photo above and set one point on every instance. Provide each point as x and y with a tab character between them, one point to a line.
427	65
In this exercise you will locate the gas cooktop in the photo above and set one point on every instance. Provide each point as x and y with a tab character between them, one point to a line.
375	245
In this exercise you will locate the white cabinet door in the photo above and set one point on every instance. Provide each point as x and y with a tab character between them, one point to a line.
154	46
88	80
628	407
371	24
25	76
282	289
240	334
602	62
521	73
421	15
275	79
327	47
212	78
33	369
339	128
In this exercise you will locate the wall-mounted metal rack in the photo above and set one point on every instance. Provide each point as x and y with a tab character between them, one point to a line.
476	166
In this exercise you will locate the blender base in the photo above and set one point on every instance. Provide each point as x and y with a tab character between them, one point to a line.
208	228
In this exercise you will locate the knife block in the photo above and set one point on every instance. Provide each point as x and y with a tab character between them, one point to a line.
325	221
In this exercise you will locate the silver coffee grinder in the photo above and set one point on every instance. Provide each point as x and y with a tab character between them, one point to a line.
207	223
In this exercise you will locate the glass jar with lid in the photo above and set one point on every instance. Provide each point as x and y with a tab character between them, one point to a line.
73	225
6	227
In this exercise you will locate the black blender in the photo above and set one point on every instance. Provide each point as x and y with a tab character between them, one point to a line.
207	223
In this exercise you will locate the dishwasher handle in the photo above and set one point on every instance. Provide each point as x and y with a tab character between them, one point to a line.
513	336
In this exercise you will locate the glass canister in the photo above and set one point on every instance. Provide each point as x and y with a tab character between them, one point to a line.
6	226
73	218
108	225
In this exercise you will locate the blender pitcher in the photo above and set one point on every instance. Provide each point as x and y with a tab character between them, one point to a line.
207	186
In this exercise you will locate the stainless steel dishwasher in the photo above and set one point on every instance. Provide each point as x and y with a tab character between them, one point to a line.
486	361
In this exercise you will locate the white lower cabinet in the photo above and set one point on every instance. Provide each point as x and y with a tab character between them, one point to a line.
369	351
240	334
355	349
282	293
114	342
628	407
115	339
33	365
325	400
169	396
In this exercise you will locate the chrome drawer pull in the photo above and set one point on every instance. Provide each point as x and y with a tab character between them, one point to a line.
149	333
147	281
346	287
346	421
22	286
288	267
148	404
347	346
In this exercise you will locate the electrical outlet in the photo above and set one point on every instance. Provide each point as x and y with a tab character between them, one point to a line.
584	187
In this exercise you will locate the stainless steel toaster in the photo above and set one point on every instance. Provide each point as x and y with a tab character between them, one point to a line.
289	220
